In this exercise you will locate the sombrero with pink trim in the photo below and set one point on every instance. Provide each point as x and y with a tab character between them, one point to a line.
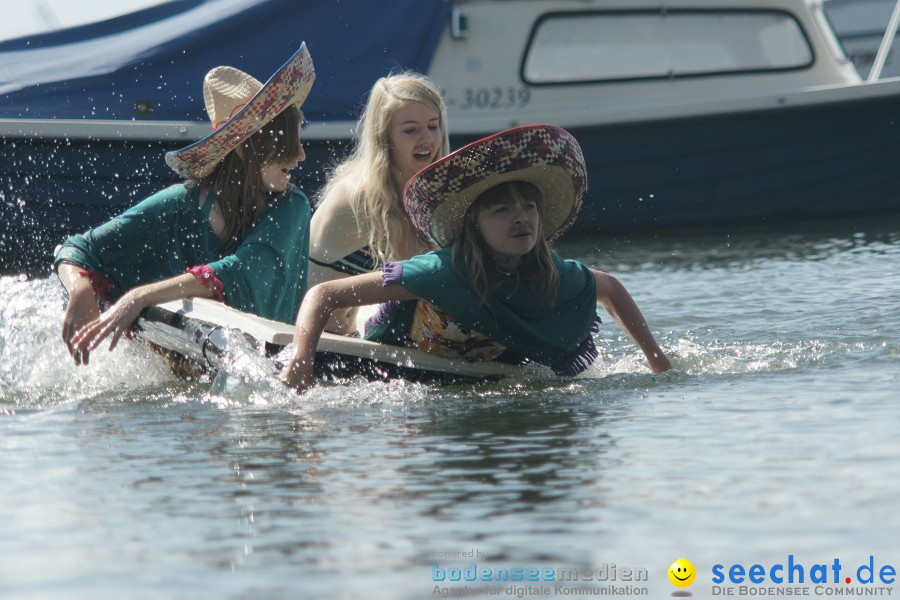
238	106
438	197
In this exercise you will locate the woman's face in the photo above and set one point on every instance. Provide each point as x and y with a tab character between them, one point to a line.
415	135
276	176
511	226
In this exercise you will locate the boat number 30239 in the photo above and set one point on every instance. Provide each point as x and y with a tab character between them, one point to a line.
494	98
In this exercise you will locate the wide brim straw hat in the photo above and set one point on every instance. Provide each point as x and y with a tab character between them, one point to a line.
549	157
238	106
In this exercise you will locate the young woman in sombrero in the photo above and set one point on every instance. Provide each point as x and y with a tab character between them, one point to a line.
237	229
494	290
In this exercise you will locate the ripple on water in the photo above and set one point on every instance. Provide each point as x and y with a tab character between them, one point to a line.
774	434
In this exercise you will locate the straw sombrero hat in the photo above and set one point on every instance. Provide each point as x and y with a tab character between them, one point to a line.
549	157
238	106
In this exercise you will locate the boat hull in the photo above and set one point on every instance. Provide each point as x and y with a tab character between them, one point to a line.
789	164
752	168
793	163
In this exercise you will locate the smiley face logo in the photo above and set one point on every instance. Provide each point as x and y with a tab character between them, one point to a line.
682	573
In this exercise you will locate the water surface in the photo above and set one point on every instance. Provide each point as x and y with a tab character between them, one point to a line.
774	435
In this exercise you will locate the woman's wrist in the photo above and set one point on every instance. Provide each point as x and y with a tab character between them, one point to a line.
136	297
658	360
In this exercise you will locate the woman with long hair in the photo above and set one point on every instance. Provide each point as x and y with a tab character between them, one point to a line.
360	222
237	229
494	290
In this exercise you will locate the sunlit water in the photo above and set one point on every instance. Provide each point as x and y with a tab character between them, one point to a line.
776	434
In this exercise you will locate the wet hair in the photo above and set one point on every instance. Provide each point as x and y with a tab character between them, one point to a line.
472	251
237	183
377	203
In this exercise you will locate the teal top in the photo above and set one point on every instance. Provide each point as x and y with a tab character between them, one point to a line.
168	233
554	331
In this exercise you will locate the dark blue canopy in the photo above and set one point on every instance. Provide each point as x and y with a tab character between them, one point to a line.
150	64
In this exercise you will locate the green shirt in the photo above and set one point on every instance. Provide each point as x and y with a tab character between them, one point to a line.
554	331
168	233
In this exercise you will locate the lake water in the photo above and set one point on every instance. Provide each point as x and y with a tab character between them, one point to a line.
774	437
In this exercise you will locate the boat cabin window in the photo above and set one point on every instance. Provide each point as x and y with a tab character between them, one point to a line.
620	45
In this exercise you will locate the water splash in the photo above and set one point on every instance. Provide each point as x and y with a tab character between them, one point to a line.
247	376
35	367
36	370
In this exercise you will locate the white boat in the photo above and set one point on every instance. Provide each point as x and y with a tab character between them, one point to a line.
691	113
860	27
197	328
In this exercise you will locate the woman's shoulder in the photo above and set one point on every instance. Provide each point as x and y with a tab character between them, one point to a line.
435	261
282	222
335	207
297	198
573	274
177	191
334	229
568	265
294	205
338	196
167	200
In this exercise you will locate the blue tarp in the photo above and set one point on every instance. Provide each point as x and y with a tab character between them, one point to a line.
151	64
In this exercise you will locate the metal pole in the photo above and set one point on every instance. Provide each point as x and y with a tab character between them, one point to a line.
886	43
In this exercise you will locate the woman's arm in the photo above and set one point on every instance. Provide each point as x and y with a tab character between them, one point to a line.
130	249
82	307
622	307
123	313
316	309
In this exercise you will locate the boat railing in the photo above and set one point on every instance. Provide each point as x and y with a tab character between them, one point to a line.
886	42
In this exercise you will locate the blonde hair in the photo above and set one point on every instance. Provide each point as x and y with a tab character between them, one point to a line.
470	248
376	202
237	185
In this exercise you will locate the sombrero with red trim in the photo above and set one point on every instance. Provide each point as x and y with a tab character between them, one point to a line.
238	106
438	197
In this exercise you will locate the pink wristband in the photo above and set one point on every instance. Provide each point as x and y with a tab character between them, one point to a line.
208	279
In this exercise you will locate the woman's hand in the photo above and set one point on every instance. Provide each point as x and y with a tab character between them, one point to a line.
114	321
298	373
659	362
84	327
82	309
317	307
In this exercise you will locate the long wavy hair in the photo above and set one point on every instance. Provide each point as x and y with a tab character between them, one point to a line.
376	202
237	185
471	249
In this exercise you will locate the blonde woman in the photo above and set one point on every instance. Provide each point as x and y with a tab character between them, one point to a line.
360	222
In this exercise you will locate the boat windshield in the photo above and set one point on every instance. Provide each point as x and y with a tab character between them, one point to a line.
620	45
